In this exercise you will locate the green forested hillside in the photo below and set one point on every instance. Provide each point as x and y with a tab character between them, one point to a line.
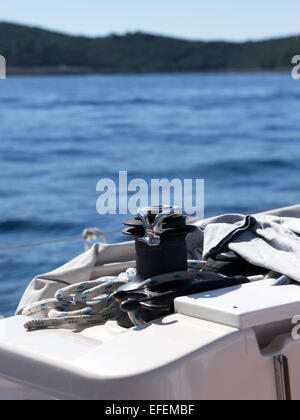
27	48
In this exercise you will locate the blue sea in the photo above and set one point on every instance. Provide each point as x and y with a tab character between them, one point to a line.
60	134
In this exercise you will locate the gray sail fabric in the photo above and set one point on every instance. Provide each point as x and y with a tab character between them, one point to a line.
270	242
101	260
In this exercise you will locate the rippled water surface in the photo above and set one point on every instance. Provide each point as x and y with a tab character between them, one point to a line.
60	135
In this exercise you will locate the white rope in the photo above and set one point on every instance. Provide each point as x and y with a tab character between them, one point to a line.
91	302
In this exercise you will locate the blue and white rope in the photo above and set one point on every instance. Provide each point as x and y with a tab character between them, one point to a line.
91	302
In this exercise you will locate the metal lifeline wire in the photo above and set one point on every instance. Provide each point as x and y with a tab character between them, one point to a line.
91	302
88	235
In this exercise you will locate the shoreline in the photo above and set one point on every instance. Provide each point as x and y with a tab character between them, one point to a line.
69	71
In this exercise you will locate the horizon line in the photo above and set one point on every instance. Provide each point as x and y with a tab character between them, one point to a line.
179	38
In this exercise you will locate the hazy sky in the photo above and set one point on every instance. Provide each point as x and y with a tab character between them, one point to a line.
193	19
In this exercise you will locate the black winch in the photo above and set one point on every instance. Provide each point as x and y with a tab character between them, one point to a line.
159	234
161	263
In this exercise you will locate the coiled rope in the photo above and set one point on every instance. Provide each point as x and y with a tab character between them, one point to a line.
91	302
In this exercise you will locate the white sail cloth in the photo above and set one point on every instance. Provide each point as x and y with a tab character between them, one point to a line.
99	261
